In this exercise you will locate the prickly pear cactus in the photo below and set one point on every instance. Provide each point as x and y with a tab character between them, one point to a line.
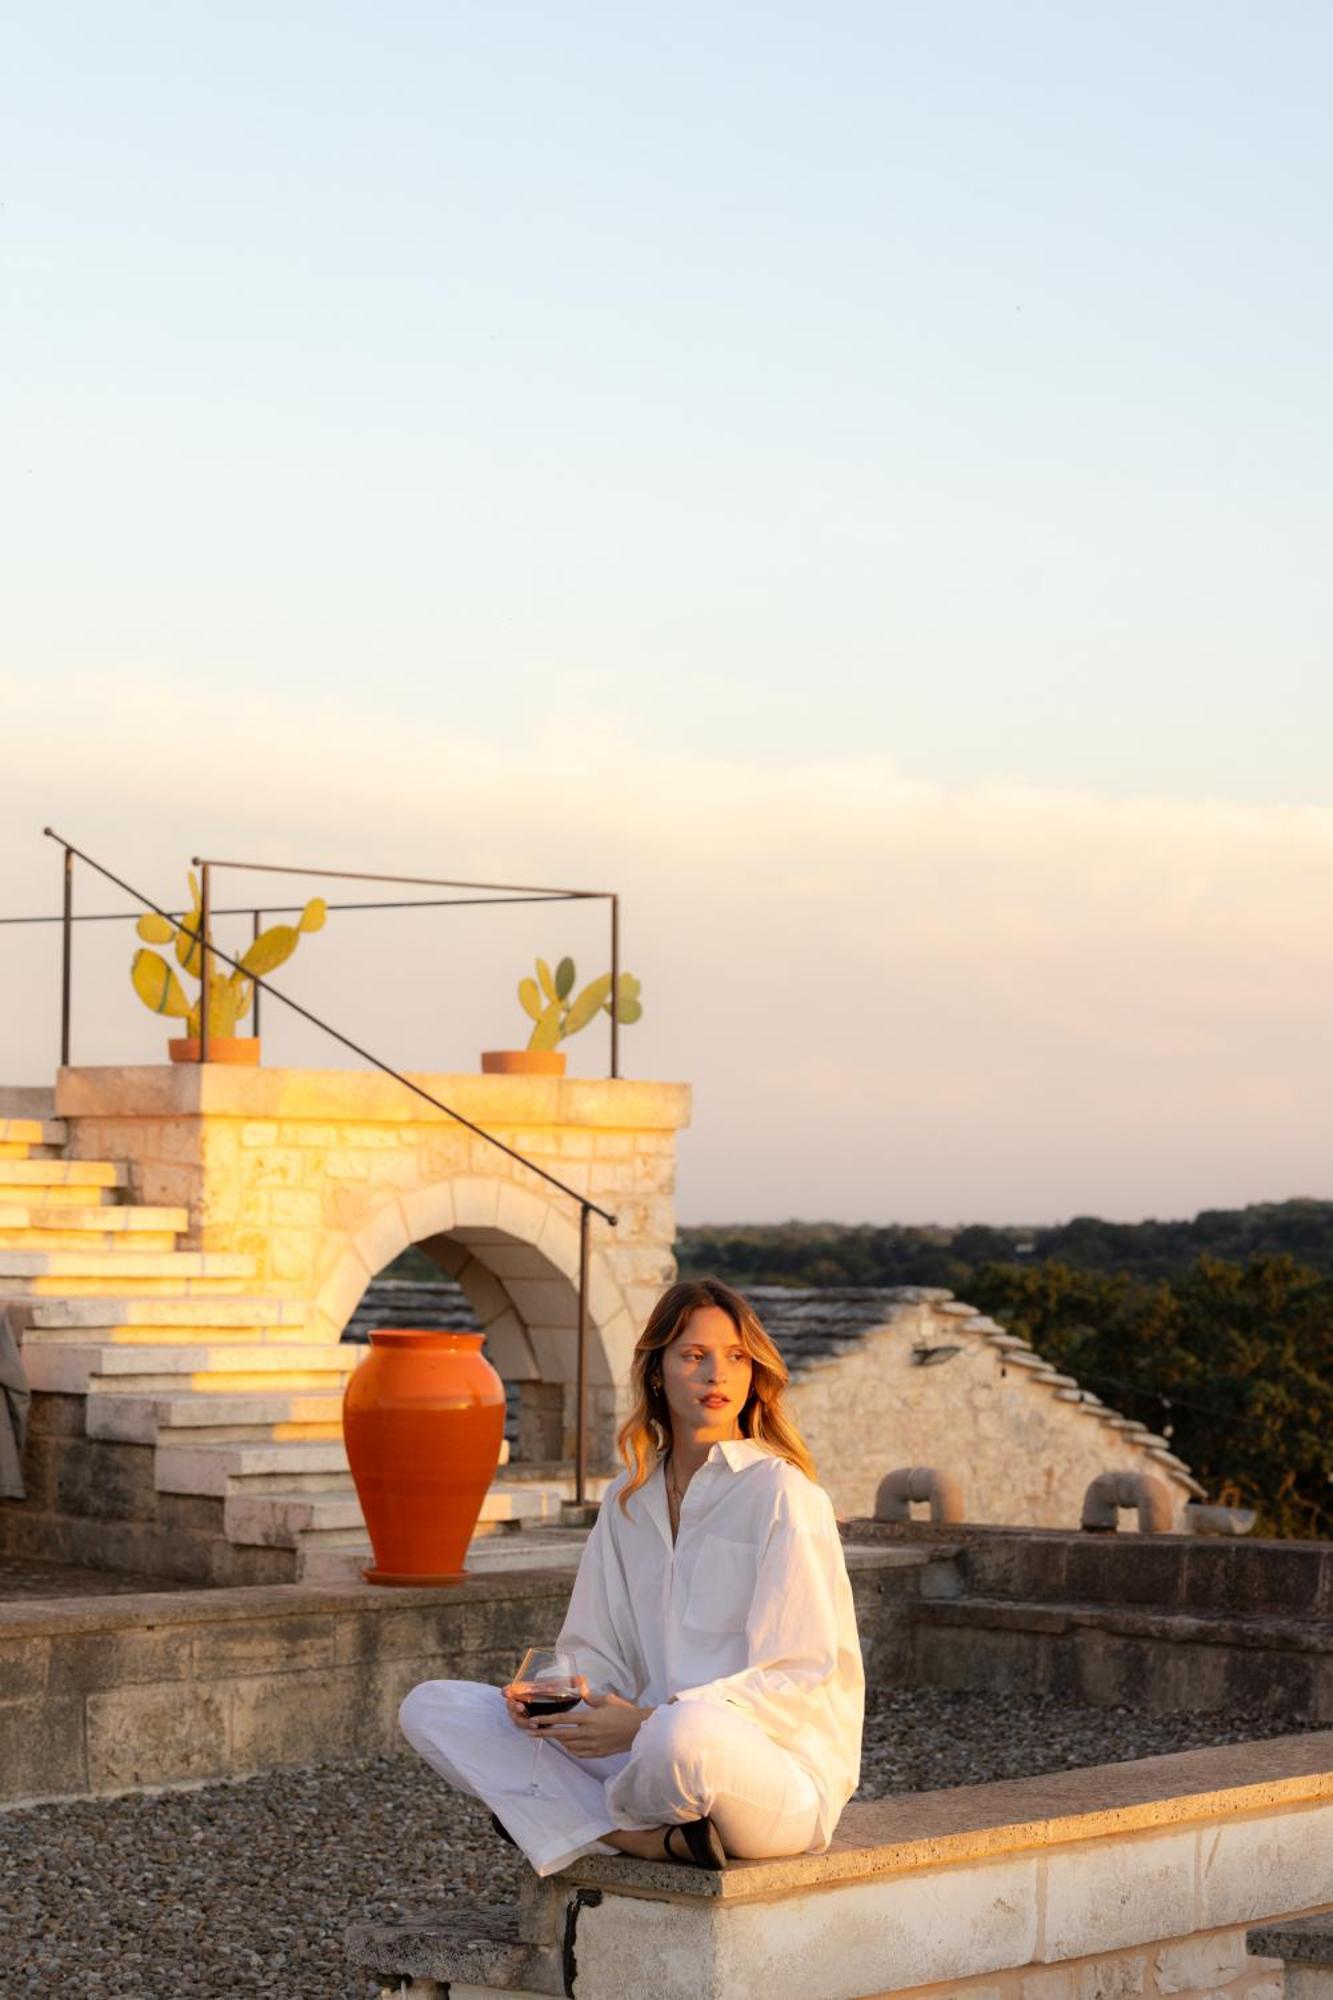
545	1000
229	993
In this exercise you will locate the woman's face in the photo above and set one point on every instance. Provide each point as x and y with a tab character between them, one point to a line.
706	1375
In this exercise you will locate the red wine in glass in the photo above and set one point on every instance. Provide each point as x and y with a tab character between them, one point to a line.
535	1699
546	1682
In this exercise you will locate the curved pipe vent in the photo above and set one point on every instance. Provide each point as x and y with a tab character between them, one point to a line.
1110	1491
897	1490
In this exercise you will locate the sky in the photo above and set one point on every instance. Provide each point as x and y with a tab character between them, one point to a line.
853	478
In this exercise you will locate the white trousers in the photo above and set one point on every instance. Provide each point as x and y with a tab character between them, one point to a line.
688	1759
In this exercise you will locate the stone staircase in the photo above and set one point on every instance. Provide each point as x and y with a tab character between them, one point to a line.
240	1407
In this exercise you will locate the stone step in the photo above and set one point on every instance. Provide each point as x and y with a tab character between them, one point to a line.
122	1220
145	1318
163	1265
33	1131
75	1194
53	1236
468	1950
28	1174
293	1519
192	1418
220	1469
27	1100
230	1367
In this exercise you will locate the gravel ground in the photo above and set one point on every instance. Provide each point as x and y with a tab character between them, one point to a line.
247	1888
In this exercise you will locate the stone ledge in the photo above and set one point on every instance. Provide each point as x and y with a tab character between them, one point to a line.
476	1948
54	1616
1305	1941
177	1090
1190	1627
979	1822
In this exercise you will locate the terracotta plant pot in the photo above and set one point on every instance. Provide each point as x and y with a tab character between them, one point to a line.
523	1062
221	1048
423	1422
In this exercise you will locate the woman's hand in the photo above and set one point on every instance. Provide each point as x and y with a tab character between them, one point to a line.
607	1725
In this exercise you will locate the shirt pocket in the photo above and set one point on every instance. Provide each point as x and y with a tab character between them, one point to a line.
722	1587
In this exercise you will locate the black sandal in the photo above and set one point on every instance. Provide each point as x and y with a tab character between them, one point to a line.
703	1841
503	1831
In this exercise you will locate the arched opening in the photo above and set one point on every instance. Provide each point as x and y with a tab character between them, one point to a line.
513	1278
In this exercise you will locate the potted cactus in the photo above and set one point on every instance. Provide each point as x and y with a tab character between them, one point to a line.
229	993
550	1003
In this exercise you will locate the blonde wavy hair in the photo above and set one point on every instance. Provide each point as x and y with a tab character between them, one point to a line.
645	1436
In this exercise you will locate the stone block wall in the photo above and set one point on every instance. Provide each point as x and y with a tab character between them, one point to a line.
94	1502
1023	1441
123	1692
324	1176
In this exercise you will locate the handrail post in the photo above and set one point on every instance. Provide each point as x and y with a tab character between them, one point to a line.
615	986
254	1019
66	957
205	965
581	1391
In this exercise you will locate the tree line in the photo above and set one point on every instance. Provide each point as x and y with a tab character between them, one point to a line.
1216	1332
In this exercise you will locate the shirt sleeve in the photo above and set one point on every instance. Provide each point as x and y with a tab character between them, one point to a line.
595	1623
794	1632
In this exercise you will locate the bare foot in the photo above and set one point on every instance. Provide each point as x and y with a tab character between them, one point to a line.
649	1845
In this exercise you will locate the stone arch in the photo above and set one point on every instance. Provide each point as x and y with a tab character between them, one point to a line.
515	1253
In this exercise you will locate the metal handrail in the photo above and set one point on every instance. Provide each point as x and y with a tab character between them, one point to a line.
587	1207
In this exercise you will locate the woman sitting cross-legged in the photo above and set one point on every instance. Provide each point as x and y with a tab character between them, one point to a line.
712	1619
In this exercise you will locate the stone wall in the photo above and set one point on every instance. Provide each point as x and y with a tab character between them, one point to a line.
122	1692
94	1501
1202	1966
1023	1441
324	1176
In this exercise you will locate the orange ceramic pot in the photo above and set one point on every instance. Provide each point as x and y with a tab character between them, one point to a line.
523	1062
221	1048
423	1422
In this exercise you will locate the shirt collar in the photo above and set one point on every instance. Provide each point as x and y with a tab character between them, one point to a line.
737	1452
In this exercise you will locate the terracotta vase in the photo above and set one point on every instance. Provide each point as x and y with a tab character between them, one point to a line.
523	1062
221	1048
423	1422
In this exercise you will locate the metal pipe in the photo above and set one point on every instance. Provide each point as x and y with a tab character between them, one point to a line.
295	909
416	881
254	932
205	961
615	986
581	1391
66	957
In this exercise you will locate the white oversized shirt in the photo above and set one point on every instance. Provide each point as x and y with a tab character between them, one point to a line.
751	1608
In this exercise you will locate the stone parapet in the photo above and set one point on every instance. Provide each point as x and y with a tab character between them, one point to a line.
1125	1879
131	1691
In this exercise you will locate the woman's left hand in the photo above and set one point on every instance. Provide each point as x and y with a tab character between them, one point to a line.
607	1724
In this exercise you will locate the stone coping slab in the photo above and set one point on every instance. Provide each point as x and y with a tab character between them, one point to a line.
976	1822
48	1616
1217	1547
52	1617
1205	1628
1302	1941
175	1090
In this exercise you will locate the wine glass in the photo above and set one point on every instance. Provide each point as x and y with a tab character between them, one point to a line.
546	1682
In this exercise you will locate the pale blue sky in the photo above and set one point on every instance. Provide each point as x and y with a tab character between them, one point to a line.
945	381
855	478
